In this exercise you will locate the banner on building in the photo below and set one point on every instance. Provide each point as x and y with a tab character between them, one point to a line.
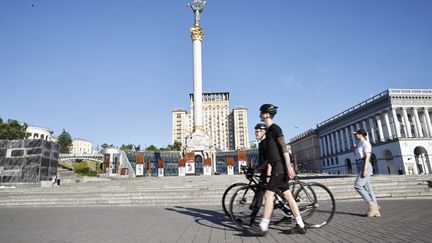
181	167
160	172
230	166
207	166
190	167
139	168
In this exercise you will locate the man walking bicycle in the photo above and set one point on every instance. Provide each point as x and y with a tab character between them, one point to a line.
279	171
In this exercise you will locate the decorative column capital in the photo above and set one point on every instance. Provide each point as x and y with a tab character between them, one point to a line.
197	33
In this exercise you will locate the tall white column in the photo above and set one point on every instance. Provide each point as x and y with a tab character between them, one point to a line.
322	147
337	141
425	126
396	123
197	74
358	126
325	146
380	130
364	125
342	139
428	121
347	135
387	121
373	133
407	123
327	139
333	143
354	139
418	123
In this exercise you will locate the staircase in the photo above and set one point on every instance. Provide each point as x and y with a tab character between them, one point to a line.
190	190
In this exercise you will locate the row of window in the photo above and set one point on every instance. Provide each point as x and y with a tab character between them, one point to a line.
330	161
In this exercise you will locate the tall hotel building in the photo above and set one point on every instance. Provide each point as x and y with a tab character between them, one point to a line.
229	131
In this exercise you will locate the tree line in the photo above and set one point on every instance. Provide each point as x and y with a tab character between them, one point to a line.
13	129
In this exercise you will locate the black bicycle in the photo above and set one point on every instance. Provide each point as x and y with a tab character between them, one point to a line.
253	181
315	202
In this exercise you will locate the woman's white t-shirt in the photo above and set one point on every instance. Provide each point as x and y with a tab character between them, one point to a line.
362	148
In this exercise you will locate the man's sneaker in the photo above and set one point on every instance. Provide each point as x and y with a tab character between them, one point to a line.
256	230
297	230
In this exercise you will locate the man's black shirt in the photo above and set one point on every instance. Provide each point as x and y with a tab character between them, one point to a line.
273	150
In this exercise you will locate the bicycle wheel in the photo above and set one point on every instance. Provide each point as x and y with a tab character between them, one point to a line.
243	206
226	197
316	204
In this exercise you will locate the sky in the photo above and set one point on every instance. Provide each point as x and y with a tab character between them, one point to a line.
112	71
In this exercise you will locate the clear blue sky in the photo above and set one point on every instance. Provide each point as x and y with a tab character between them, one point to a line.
111	71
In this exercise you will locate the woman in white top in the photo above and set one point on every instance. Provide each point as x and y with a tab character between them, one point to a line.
363	151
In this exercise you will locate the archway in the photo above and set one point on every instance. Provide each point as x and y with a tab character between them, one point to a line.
388	156
198	165
349	165
422	160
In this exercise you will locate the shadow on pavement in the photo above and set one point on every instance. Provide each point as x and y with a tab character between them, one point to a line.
352	214
203	217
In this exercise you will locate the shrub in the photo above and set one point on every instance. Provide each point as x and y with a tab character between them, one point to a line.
83	169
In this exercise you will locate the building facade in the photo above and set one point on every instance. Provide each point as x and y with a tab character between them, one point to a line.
35	132
305	149
181	125
398	122
238	129
81	146
228	131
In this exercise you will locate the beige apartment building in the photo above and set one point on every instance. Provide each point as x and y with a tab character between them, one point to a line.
239	128
81	146
228	131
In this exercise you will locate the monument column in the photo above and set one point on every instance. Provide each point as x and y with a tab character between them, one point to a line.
197	35
198	142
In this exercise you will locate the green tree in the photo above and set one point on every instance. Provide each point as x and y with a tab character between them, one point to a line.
152	148
65	142
12	130
127	147
105	146
176	145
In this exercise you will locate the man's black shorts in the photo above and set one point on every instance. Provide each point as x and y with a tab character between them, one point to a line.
278	182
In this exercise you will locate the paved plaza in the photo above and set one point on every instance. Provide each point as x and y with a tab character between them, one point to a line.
401	221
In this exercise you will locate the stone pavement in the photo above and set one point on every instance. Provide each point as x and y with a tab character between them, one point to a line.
401	221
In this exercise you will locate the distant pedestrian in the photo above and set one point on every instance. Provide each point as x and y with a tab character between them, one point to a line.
363	151
400	171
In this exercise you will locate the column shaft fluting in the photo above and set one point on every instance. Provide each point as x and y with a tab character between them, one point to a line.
396	123
407	123
197	74
418	124
428	121
380	130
